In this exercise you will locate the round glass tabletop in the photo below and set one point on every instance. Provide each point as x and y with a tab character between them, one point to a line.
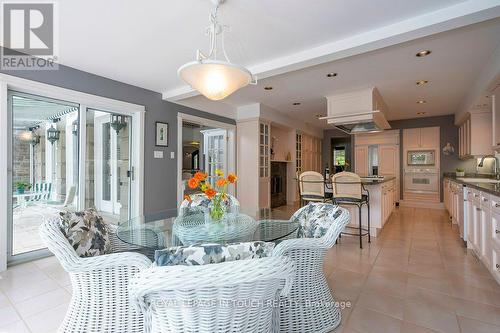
168	228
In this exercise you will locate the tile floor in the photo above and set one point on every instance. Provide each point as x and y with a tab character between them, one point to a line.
415	278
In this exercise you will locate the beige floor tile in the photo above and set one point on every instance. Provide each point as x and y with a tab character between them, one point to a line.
468	325
367	321
8	315
482	312
17	327
43	302
432	317
413	328
438	285
431	298
47	321
389	305
29	290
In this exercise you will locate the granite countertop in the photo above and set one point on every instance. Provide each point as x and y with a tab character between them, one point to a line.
491	188
376	181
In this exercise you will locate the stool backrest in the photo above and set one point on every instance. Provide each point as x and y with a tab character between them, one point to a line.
346	185
311	183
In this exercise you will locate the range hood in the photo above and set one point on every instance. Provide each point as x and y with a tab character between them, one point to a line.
356	112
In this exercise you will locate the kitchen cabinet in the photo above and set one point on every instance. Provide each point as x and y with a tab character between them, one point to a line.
481	216
421	138
446	194
386	147
361	160
387	200
475	135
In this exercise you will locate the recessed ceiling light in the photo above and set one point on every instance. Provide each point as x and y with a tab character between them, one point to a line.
421	113
268	88
296	103
331	75
421	82
421	101
423	53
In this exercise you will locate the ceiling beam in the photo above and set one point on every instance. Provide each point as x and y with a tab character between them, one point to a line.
452	17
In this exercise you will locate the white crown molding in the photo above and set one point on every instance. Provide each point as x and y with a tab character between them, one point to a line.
452	17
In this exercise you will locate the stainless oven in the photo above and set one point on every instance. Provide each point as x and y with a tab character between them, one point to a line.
421	157
423	181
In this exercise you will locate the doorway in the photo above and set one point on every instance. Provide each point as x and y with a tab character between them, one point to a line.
205	145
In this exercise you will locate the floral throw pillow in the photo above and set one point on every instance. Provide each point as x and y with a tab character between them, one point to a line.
315	219
203	254
86	232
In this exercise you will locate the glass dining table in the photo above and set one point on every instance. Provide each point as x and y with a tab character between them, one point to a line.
174	227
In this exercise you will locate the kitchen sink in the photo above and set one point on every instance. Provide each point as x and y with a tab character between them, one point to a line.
479	180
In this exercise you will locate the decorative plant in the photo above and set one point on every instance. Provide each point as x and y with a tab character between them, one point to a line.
459	170
217	195
22	185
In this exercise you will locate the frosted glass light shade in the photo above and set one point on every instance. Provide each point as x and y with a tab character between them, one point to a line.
215	79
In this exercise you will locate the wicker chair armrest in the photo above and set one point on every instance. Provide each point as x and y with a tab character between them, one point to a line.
288	245
113	260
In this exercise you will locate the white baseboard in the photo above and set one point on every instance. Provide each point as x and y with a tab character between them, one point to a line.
421	204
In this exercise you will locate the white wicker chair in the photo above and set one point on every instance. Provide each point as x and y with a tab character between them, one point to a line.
100	300
311	303
238	296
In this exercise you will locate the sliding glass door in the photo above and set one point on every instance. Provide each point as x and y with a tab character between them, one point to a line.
43	177
49	172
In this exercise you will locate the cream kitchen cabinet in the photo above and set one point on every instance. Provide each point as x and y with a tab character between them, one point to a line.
421	138
361	160
475	135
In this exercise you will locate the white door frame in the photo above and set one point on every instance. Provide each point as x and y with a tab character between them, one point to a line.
231	147
137	112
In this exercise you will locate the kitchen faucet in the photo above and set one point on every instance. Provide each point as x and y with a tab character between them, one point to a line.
496	170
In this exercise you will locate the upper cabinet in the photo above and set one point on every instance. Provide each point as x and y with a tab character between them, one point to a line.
475	135
421	138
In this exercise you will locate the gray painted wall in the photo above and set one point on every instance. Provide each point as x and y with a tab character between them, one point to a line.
160	175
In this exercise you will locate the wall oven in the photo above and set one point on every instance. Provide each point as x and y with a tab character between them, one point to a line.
421	158
424	181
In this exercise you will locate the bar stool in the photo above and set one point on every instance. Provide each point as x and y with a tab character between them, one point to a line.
311	187
349	190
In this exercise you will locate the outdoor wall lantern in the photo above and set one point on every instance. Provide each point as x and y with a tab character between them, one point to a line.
52	132
118	122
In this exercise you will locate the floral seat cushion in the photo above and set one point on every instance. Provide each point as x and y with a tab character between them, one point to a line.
203	254
315	219
199	202
86	232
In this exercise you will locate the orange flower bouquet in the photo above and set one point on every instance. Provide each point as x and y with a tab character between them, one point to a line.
217	195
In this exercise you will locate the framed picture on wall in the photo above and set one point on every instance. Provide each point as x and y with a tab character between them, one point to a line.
161	134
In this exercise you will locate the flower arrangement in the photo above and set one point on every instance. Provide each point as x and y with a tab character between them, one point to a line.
217	195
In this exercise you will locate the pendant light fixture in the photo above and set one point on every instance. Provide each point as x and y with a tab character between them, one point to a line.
213	78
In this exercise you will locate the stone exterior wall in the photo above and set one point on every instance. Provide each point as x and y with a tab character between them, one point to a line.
20	158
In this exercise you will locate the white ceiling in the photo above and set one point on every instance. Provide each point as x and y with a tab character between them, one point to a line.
144	42
455	62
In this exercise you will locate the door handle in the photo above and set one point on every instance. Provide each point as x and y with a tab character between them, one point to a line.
497	231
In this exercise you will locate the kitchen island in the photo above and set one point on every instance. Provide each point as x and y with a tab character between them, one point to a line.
383	197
